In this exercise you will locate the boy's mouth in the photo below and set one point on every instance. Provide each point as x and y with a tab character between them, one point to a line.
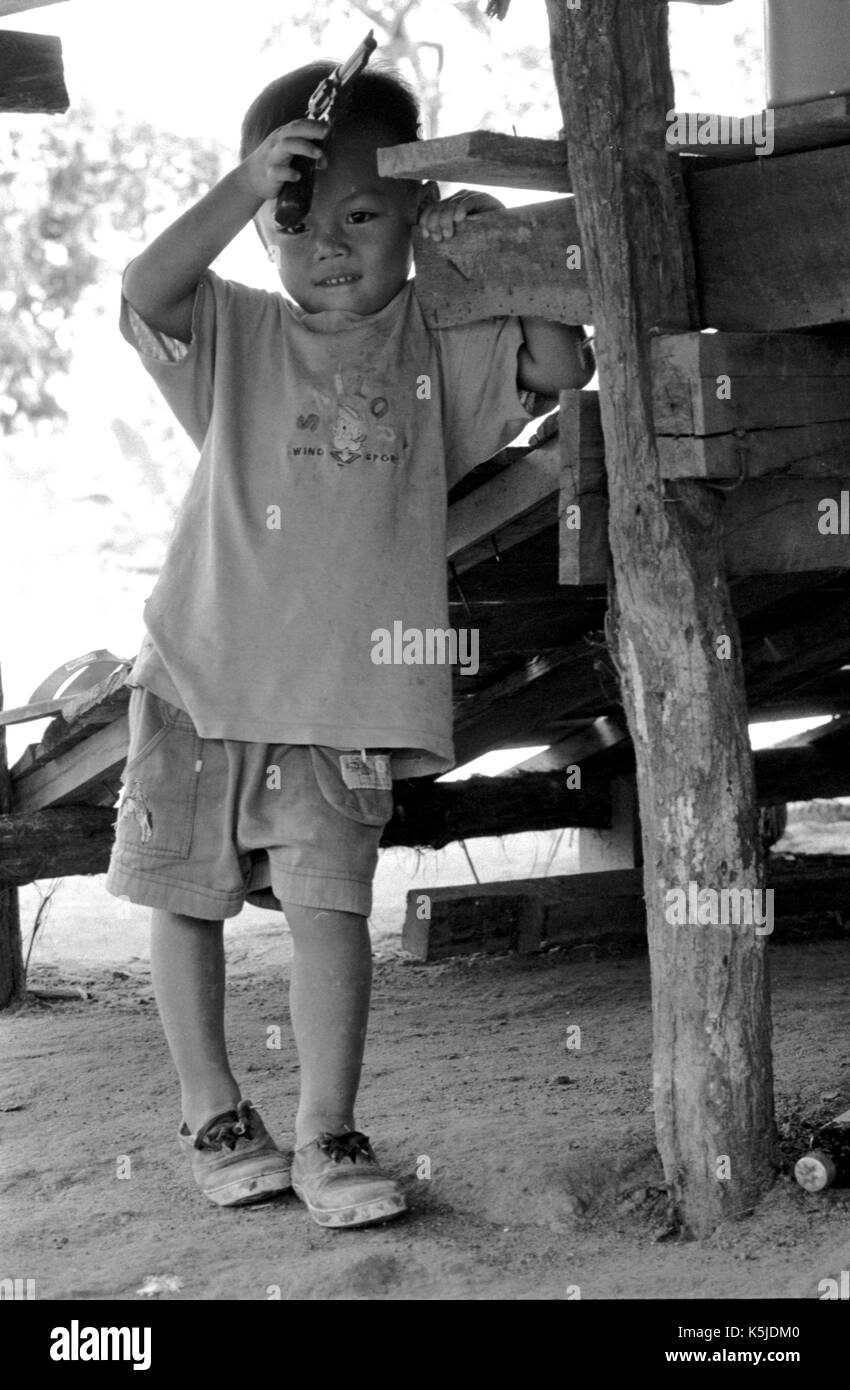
332	281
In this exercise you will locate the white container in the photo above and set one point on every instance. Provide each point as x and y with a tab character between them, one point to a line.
807	48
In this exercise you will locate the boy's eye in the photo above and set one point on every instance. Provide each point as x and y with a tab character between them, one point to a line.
292	231
360	213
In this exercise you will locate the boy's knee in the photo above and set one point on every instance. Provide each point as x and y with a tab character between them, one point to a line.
303	921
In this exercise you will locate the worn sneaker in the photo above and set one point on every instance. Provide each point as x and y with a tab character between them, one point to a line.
338	1179
235	1160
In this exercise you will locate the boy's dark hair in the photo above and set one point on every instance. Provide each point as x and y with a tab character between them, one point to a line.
377	96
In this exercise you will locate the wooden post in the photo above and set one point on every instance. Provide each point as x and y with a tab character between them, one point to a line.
676	637
11	956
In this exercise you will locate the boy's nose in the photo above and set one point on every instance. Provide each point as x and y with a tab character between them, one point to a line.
327	243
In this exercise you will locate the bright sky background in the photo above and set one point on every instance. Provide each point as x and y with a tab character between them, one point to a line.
194	66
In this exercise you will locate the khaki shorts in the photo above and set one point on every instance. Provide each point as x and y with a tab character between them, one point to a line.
206	824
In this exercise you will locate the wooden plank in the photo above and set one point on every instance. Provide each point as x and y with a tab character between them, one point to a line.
770	525
83	713
798	653
807	451
31	73
88	773
809	113
18	6
566	683
534	248
28	714
507	498
482	157
598	737
711	383
12	974
437	813
598	909
583	495
771	243
525	915
760	136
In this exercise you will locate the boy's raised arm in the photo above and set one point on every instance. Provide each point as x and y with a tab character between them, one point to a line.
160	283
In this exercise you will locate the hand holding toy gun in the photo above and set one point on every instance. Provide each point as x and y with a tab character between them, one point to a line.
294	199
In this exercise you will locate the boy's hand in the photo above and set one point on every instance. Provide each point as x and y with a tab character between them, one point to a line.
438	220
268	168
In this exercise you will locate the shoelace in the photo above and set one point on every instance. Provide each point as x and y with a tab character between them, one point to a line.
340	1146
225	1131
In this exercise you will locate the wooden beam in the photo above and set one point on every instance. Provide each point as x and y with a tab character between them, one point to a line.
712	383
597	737
793	655
583	499
500	505
540	267
771	241
481	157
686	710
769	525
605	910
513	709
760	267
760	135
31	73
77	839
525	915
807	451
88	773
61	842
435	814
12	975
18	6
78	719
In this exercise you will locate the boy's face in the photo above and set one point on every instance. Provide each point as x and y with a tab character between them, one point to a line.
357	231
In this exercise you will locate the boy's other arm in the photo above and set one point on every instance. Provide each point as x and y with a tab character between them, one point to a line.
554	357
160	283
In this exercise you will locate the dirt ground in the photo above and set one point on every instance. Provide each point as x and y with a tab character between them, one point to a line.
531	1169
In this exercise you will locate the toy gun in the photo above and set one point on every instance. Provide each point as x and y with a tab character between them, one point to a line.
294	199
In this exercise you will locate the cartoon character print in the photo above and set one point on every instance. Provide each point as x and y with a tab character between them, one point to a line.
349	434
359	429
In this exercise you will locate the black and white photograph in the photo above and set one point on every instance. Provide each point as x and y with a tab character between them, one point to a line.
425	671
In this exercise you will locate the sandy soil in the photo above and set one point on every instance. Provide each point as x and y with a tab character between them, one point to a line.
543	1171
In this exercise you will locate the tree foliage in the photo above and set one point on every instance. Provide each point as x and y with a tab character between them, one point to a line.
78	198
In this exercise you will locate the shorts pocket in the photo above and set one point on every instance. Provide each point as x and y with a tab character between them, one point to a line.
151	721
156	812
368	805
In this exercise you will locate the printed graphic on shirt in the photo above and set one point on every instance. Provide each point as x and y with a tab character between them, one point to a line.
354	425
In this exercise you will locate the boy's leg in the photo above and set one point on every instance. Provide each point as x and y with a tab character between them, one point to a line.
234	1158
329	1005
334	1170
187	967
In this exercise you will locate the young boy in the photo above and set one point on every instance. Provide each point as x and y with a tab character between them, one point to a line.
264	735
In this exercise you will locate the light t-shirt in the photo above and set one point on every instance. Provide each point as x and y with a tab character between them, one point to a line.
316	519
